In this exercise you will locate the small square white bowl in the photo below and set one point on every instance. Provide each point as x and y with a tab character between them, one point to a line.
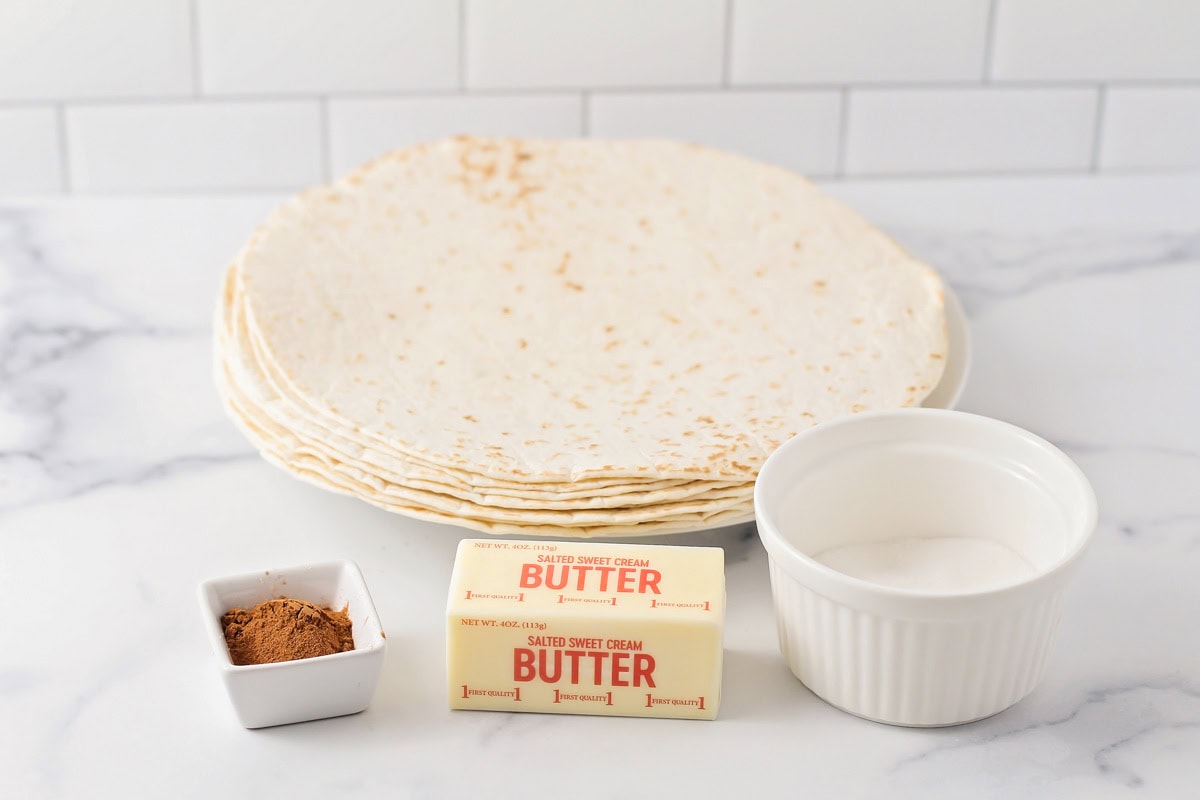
309	688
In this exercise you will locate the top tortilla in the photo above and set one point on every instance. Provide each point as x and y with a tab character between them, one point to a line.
552	311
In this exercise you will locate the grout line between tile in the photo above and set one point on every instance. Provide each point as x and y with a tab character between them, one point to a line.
1098	131
727	46
843	132
60	121
175	100
877	177
585	114
972	174
280	97
462	45
326	142
989	44
201	191
194	44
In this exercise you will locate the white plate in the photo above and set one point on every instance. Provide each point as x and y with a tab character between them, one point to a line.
958	363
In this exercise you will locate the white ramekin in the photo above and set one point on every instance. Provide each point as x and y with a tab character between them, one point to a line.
919	657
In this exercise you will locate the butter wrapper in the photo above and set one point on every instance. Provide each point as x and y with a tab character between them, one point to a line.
581	628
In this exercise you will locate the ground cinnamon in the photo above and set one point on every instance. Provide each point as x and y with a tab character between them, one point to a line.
285	629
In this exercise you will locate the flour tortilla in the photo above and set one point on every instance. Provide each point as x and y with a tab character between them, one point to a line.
608	508
237	357
734	516
289	449
250	400
318	474
556	312
365	486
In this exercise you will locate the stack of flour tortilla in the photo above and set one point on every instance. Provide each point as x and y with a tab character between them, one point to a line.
569	338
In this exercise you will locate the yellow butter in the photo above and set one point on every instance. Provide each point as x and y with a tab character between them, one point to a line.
581	628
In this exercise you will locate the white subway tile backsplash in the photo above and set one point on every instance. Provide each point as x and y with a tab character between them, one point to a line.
817	41
1097	40
362	129
321	46
969	130
51	49
29	151
179	146
1148	128
795	129
593	43
174	95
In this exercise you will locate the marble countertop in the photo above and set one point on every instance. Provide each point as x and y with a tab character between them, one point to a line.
122	486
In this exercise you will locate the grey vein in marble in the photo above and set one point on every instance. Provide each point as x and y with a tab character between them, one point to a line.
54	322
1106	745
987	267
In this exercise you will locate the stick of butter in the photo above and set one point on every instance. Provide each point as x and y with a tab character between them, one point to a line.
581	628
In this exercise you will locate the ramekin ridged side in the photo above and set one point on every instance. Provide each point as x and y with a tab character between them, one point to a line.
912	671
